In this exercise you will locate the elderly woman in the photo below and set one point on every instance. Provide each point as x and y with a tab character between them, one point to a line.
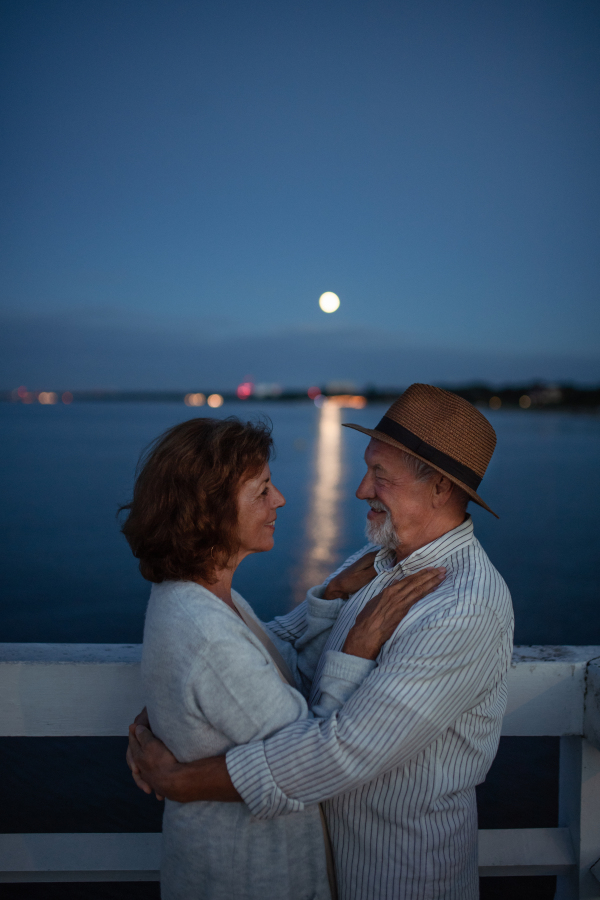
213	674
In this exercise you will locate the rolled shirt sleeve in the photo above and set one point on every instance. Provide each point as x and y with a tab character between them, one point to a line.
341	675
426	677
301	636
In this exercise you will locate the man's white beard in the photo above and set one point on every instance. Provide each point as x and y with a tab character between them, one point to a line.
382	533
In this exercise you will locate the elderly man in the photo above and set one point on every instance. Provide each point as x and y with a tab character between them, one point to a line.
396	767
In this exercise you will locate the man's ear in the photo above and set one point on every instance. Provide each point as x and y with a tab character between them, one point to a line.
442	491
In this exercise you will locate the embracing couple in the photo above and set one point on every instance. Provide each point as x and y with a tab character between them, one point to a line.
337	748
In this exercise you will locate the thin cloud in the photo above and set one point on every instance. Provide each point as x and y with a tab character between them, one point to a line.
55	352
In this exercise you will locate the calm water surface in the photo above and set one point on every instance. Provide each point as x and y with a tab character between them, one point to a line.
69	575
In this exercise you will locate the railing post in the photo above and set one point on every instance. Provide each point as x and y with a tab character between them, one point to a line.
579	811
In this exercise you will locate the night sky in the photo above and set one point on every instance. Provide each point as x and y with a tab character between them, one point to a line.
182	180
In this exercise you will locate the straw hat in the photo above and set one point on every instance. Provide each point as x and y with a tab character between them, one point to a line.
444	431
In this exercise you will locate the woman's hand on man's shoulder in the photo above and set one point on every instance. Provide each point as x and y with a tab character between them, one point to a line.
352	579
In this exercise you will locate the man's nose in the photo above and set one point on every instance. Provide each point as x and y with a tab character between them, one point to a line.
365	489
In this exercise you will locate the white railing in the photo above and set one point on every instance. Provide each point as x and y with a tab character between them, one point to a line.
94	690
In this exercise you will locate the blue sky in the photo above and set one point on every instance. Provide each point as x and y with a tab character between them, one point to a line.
182	180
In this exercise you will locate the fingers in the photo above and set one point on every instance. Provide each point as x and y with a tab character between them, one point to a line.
414	587
368	564
368	559
143	735
142	718
135	771
376	623
133	747
140	739
363	562
131	761
141	783
421	584
425	576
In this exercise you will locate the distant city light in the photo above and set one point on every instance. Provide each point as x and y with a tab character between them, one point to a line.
313	392
194	399
47	397
342	401
245	390
347	401
215	400
67	397
495	402
21	391
329	302
524	401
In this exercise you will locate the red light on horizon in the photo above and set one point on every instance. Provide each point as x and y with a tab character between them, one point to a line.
245	390
67	397
313	392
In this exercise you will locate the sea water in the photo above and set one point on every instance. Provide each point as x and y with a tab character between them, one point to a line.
68	574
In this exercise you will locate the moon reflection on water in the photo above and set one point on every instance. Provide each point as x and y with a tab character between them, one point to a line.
323	519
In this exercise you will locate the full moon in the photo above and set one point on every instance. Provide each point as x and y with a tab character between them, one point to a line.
329	302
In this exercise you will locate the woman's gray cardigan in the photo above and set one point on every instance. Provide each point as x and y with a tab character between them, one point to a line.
210	684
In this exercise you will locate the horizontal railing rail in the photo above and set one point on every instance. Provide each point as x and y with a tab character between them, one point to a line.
49	690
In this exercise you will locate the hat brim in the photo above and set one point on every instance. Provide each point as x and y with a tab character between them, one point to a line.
379	436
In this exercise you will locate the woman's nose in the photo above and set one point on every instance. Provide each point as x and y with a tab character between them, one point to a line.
279	499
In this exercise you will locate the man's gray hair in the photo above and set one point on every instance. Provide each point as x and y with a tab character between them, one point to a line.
419	469
423	473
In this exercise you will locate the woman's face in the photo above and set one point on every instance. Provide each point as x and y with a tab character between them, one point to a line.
258	501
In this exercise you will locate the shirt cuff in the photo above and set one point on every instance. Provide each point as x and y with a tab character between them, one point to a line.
321	608
342	674
251	776
346	666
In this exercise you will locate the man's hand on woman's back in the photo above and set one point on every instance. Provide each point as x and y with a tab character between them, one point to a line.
142	721
154	768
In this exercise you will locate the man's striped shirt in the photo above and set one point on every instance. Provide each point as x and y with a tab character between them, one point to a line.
397	765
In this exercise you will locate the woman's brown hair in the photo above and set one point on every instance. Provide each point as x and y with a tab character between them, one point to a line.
182	520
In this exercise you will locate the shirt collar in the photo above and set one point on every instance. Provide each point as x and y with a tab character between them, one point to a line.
431	554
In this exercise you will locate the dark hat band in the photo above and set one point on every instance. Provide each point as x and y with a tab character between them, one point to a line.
431	454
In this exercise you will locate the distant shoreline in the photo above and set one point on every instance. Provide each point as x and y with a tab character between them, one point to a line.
527	396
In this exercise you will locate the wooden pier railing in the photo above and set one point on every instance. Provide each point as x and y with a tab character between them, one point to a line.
94	690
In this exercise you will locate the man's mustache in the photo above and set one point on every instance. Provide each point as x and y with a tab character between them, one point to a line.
378	506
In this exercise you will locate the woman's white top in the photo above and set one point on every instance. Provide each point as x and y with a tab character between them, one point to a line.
210	684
